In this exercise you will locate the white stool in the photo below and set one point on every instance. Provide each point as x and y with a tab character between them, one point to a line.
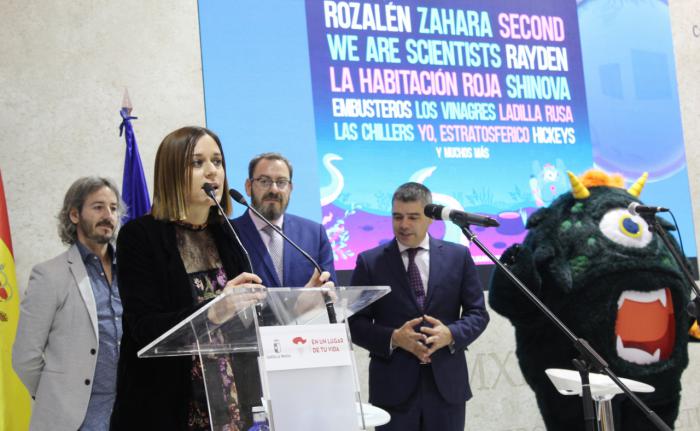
374	416
603	389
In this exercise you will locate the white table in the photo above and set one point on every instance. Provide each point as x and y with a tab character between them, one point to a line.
603	389
374	416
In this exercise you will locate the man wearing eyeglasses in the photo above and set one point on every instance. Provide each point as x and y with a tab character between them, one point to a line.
278	264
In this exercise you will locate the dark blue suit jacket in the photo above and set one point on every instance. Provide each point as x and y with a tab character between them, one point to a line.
308	235
455	297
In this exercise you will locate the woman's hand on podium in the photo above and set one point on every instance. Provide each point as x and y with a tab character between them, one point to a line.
237	300
323	280
309	300
320	280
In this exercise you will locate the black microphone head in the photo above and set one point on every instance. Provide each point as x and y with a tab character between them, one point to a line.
209	190
491	222
237	196
433	211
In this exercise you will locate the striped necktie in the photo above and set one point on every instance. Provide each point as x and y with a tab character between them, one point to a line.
275	247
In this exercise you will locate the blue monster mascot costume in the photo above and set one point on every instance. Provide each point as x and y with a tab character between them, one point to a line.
614	283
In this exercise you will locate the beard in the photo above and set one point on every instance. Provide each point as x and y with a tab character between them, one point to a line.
92	234
270	210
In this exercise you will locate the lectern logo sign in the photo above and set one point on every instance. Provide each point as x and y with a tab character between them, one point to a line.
297	347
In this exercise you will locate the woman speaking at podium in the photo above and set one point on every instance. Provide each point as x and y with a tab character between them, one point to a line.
170	262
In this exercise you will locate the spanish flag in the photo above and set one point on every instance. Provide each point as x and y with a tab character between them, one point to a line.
15	407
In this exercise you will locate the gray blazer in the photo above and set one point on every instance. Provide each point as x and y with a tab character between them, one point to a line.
55	349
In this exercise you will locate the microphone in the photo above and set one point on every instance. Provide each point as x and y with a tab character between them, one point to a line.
238	197
638	209
460	218
241	200
211	192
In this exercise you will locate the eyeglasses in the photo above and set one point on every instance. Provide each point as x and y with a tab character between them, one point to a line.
266	183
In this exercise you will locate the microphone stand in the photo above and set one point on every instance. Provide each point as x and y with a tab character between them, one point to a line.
588	360
693	307
330	308
209	190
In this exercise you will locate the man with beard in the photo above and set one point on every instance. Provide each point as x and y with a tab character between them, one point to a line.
68	335
269	186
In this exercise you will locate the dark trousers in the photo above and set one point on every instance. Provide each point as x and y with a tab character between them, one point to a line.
425	410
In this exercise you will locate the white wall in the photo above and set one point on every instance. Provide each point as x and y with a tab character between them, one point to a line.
685	25
63	70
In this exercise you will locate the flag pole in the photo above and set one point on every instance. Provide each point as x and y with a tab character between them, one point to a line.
134	187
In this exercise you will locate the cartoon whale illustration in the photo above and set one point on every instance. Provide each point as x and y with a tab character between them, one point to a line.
331	192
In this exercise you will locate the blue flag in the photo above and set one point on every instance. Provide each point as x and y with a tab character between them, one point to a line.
134	188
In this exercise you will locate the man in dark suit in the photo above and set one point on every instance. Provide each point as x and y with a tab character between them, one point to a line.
417	334
278	264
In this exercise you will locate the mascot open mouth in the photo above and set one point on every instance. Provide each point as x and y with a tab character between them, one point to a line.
645	328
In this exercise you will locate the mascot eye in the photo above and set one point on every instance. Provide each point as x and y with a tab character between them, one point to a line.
625	229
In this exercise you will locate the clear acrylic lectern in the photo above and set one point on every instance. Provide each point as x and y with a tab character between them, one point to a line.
283	353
